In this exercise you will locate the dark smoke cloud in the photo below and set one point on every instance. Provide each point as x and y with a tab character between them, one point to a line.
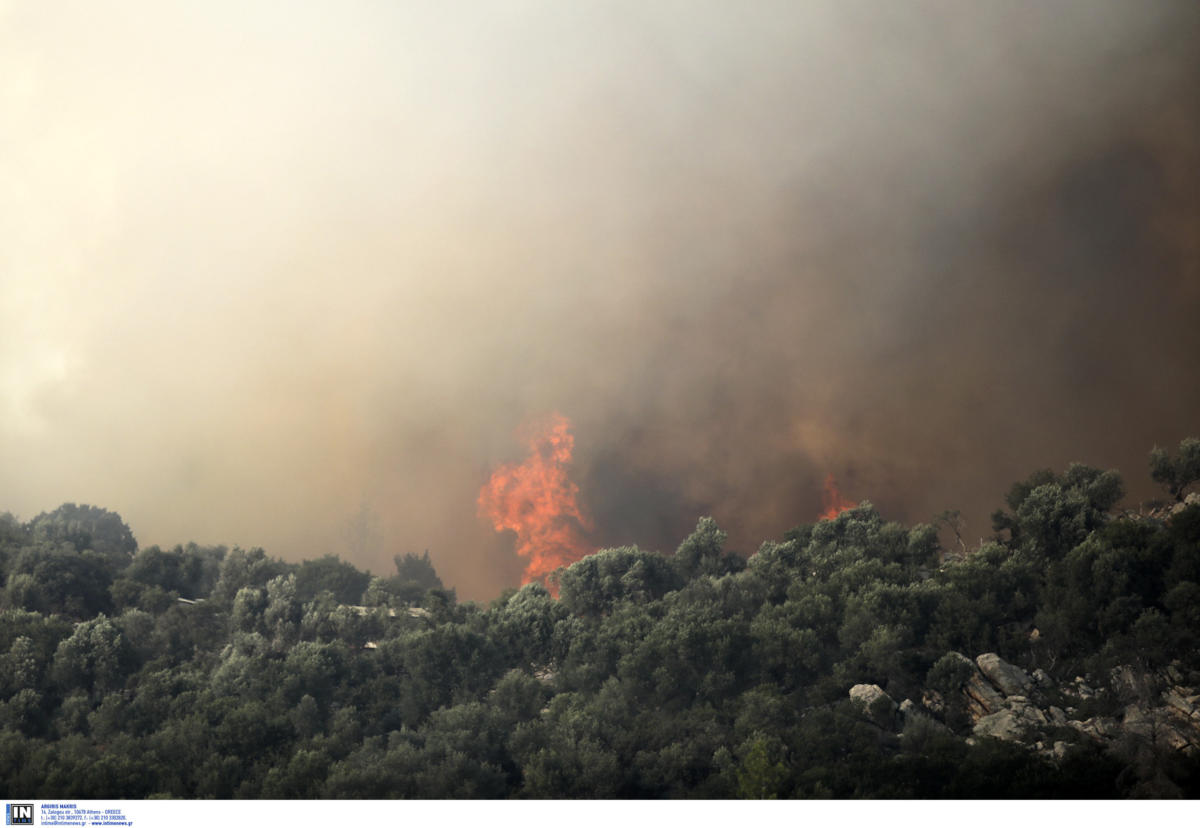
261	271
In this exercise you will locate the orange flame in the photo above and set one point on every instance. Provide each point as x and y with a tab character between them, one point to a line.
537	501
832	502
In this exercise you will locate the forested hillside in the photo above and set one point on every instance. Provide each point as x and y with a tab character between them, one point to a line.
852	658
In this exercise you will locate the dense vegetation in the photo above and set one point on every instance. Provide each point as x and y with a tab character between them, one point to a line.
694	674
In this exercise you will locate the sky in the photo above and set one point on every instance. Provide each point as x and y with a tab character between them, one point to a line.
265	265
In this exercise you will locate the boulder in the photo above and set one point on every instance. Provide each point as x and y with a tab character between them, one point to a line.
1098	727
1012	722
877	704
1003	724
1042	678
1175	699
1027	711
1161	725
1008	678
1124	680
1192	499
982	698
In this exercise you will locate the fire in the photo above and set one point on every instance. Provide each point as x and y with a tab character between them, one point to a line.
538	501
832	502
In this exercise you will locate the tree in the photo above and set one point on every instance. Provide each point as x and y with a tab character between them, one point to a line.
702	552
95	656
330	573
761	772
1052	513
593	585
49	578
414	577
87	527
1178	472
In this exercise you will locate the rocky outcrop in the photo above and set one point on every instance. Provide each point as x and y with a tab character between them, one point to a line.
1049	715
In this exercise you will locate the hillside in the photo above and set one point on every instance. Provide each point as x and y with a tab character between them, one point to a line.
854	657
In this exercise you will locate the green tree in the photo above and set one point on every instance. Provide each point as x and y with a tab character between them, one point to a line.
703	552
415	576
87	527
595	584
761	772
1177	473
333	575
95	656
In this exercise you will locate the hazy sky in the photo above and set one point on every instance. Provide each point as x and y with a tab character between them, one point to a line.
262	262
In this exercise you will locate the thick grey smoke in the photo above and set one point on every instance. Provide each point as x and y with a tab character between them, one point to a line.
260	268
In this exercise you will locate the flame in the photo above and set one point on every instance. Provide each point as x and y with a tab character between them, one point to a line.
832	502
538	501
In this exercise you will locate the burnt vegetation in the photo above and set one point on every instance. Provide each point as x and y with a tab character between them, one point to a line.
211	672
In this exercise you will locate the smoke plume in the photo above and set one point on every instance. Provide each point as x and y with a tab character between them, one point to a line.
263	270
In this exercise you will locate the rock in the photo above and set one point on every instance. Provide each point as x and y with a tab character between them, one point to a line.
1042	678
1098	727
1174	675
866	694
1012	722
1179	739
1137	718
1057	717
1192	499
1026	711
1174	699
1161	725
878	705
1124	680
1060	750
1003	724
1009	679
932	701
982	698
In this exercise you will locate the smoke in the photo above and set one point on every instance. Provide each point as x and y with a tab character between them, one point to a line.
260	271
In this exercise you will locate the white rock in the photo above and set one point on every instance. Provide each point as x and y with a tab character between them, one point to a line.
1003	724
1009	679
867	695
